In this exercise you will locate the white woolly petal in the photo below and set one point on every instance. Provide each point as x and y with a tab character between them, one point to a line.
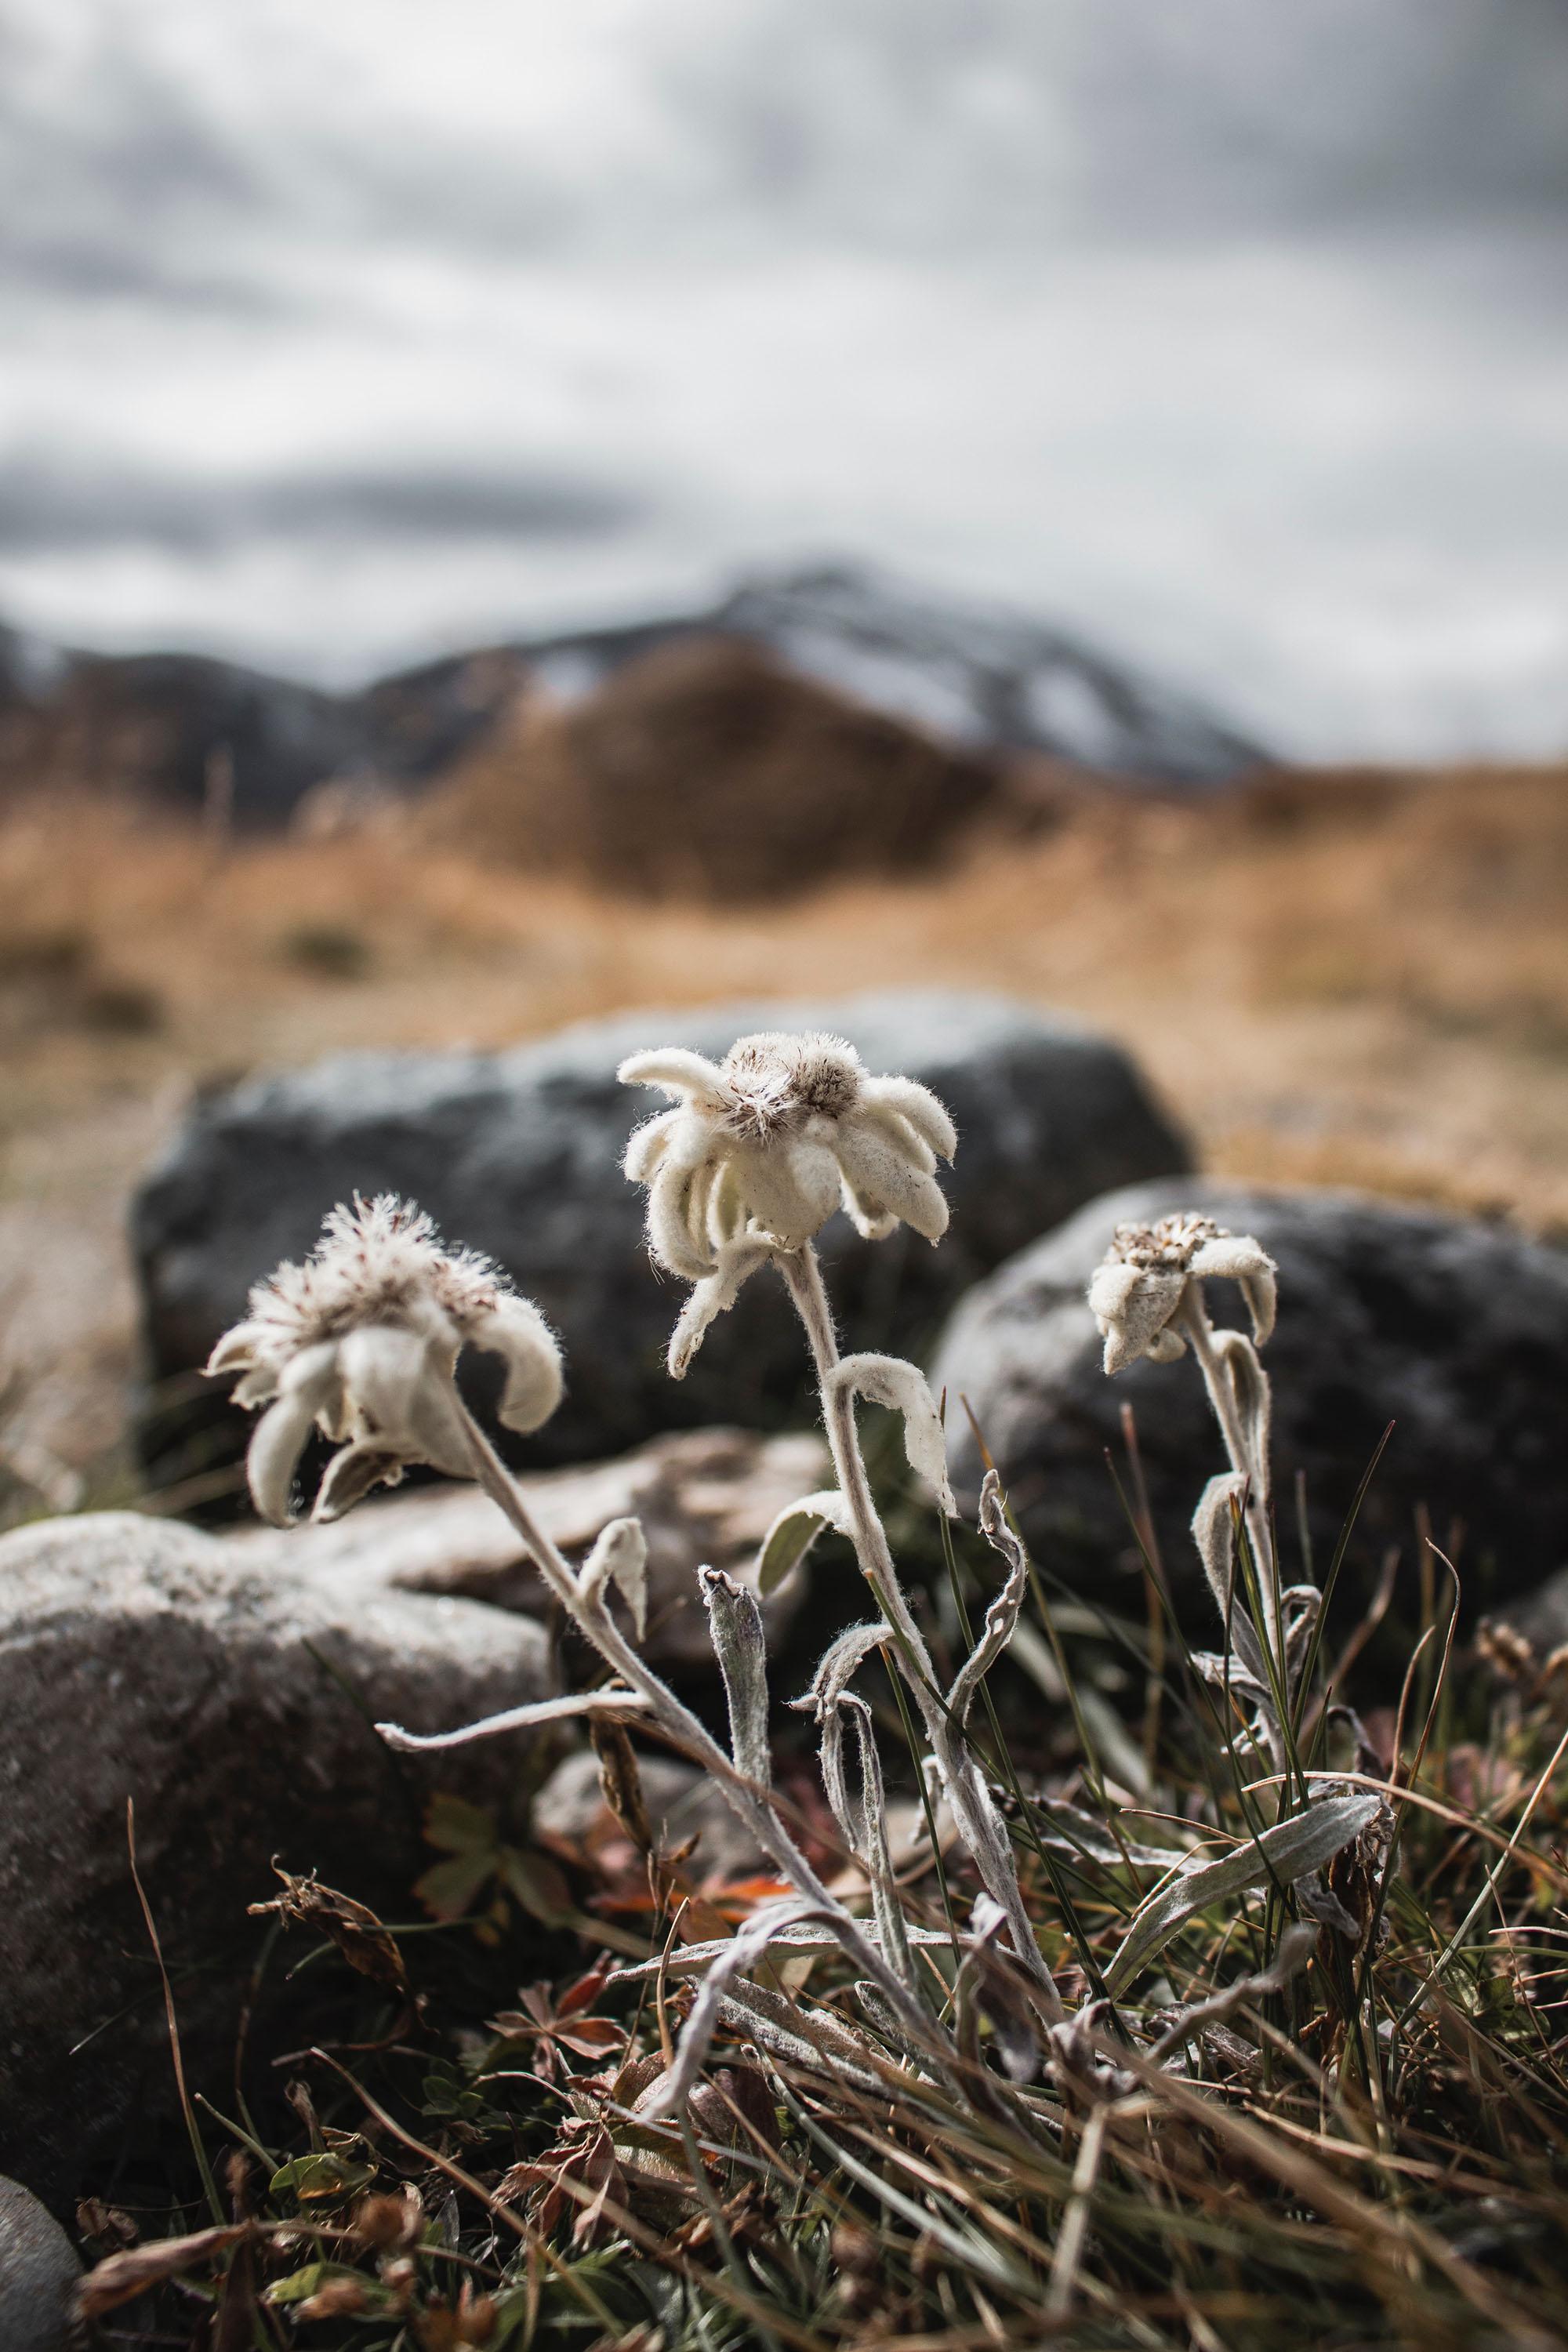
699	1204
647	1145
790	1188
518	1334
1240	1258
236	1351
738	1261
382	1366
928	1116
1166	1347
276	1445
280	1436
256	1388
1132	1305
397	1397
885	1183
669	1234
436	1435
350	1476
873	1223
683	1075
726	1206
906	1141
1262	1295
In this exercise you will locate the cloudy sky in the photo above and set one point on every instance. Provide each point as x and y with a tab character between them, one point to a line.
1233	332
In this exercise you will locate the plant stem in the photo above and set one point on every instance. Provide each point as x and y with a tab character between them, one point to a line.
973	1810
1196	1329
591	1617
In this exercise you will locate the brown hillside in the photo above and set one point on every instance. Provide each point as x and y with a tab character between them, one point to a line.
704	770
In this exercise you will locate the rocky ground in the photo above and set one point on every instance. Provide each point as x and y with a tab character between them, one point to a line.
1346	980
1137	1006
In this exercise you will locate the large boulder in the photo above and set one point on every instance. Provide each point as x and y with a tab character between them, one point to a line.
705	1497
518	1154
145	1662
39	2268
1455	1331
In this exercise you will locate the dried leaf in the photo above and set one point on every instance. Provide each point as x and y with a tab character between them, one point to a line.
119	2277
620	1780
539	1887
358	1934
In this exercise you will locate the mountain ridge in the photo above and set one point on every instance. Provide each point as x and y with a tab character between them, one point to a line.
992	682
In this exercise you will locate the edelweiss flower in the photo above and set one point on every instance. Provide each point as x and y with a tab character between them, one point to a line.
768	1142
361	1341
762	1148
1139	1285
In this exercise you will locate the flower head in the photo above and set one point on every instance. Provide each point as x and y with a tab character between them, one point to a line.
763	1146
360	1343
1139	1285
767	1144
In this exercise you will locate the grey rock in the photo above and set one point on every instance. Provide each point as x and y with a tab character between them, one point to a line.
1456	1331
1542	1616
518	1154
38	2272
143	1661
705	1497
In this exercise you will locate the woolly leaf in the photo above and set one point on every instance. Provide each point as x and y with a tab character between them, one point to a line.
735	1624
798	1935
1286	1852
795	1531
904	1388
518	1719
1002	1617
620	1557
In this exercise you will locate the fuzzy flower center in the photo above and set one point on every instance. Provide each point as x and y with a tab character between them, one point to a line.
376	1263
777	1082
1167	1247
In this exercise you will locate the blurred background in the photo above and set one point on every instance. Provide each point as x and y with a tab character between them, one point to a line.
509	512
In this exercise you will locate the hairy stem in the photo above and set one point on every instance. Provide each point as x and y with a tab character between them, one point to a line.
973	1810
591	1617
1196	1329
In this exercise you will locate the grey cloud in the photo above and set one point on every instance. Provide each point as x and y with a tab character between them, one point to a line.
46	504
912	119
905	123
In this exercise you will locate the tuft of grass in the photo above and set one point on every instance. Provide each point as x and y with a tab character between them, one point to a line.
1373	2152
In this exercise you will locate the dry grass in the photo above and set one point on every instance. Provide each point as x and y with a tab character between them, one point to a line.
1374	2156
1339	979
